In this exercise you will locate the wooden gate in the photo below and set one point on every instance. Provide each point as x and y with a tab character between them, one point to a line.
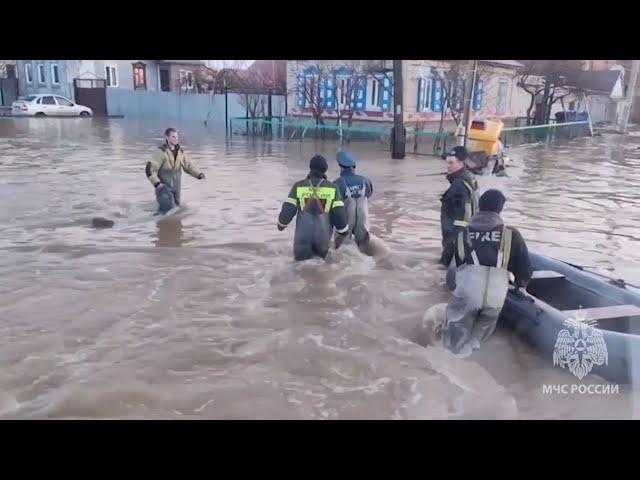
8	91
91	93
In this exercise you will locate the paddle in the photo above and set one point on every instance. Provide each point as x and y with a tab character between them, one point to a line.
431	174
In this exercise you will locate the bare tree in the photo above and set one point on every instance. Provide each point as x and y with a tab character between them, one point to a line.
347	77
350	77
551	87
252	86
205	79
453	81
253	103
311	88
452	98
533	89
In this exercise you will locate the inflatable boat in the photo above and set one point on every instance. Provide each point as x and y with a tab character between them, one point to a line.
584	322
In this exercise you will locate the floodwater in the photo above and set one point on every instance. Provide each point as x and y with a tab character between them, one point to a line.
206	315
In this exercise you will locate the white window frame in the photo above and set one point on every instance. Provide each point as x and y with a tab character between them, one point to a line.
55	66
28	72
184	74
341	94
505	103
42	80
112	77
371	107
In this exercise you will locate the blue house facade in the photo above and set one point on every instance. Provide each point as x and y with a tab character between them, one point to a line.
369	95
57	76
128	74
44	76
364	88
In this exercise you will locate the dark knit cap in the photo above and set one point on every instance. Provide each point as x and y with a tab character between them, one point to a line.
461	153
492	201
318	163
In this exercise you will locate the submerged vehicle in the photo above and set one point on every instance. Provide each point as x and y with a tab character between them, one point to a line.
584	322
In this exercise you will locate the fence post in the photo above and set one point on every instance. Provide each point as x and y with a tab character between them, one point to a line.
269	129
226	112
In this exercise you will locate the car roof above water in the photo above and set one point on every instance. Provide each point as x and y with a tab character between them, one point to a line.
35	96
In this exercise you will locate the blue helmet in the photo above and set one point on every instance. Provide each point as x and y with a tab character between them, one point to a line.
345	159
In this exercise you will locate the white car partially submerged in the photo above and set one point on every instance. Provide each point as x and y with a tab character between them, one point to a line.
48	105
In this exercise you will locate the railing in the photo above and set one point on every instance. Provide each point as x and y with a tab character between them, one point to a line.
543	133
292	128
298	128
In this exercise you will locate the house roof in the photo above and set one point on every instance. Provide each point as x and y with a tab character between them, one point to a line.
595	81
504	63
233	78
257	78
271	71
185	62
268	66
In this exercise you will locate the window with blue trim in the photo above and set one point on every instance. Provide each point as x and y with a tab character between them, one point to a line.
311	89
478	94
328	92
344	91
437	97
425	88
379	93
457	94
387	93
361	94
374	93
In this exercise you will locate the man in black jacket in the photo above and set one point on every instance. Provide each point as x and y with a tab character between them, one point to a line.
486	251
319	208
459	202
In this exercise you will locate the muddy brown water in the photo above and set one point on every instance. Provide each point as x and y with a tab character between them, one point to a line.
205	315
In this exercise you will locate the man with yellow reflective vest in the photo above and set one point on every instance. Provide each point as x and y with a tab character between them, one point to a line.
319	208
485	253
459	202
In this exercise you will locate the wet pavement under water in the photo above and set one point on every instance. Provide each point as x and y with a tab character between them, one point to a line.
205	315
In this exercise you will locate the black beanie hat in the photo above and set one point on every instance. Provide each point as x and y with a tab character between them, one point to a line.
461	153
318	163
492	201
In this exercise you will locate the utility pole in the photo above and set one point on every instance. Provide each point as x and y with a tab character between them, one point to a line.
469	87
398	133
624	128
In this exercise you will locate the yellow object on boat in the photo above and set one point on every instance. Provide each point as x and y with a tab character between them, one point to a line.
484	136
